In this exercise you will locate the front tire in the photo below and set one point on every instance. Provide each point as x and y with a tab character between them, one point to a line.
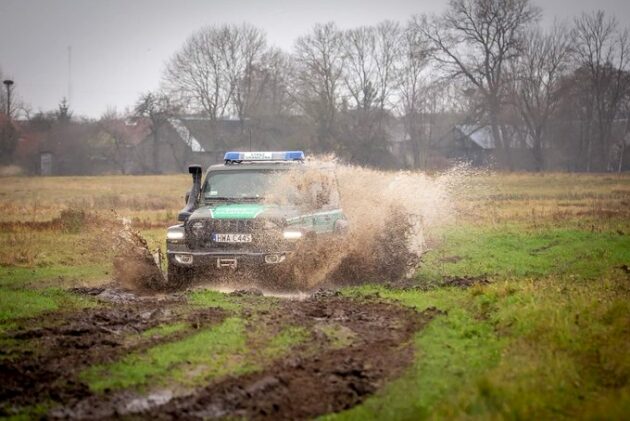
178	277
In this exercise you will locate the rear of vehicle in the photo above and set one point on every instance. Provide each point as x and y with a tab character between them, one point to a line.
250	213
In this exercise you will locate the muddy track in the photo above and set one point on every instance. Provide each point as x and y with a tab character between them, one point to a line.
312	384
39	363
316	379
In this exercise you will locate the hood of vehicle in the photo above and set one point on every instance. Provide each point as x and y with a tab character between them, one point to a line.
243	211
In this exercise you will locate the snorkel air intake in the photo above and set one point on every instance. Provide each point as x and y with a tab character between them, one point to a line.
193	195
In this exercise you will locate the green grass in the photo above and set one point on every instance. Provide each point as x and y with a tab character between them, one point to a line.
30	413
548	339
164	330
514	252
27	293
196	359
18	277
25	303
204	355
289	337
208	298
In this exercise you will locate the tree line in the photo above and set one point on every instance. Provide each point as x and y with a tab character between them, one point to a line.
561	92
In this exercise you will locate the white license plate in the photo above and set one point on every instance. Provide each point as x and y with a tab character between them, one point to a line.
232	238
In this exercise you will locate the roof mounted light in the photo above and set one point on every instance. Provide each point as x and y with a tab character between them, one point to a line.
238	157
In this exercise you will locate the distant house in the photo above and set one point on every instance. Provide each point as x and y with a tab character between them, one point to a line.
476	145
185	140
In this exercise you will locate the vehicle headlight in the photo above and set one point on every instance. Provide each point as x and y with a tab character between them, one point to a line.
292	235
175	234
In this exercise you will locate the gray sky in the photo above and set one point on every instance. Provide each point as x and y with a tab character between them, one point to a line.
119	46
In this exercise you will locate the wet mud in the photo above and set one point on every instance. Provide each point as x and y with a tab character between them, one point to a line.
312	384
315	379
41	360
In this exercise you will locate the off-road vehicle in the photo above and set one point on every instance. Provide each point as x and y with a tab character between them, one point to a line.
253	211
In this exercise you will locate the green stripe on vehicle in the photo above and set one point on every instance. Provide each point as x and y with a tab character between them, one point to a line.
237	211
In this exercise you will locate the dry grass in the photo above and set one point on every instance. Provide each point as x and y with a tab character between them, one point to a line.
586	200
59	220
148	198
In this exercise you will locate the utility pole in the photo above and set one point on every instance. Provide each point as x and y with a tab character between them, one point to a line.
8	83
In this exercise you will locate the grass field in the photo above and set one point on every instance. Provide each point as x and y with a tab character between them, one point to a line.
542	329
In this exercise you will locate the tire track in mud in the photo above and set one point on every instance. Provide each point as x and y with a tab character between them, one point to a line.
314	383
314	380
42	363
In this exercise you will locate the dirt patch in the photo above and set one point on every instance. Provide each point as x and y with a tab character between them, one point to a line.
316	379
316	383
464	281
454	281
41	363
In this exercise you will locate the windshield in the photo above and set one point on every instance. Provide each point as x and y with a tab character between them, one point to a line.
250	184
310	189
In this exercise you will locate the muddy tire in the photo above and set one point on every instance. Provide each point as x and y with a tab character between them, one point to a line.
179	277
280	277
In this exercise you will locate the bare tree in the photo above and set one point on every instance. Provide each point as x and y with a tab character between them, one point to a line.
319	62
412	85
158	109
388	40
538	84
116	149
476	39
213	71
625	137
246	49
195	75
602	52
360	68
371	67
272	85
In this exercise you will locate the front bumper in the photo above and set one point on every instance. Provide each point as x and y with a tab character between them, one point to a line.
268	248
180	255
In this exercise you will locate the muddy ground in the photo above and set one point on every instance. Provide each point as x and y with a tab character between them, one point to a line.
40	364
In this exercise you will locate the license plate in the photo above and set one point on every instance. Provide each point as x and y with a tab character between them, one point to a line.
232	238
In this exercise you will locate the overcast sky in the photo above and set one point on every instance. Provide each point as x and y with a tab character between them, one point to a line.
119	46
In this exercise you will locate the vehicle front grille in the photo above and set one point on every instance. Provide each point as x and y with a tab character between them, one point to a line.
243	226
201	238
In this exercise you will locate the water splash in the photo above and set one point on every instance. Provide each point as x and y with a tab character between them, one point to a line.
391	214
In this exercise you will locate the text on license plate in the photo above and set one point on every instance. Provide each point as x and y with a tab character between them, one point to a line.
232	238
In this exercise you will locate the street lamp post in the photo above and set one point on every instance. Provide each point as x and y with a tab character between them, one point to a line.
8	83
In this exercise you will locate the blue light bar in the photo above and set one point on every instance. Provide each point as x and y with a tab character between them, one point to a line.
264	156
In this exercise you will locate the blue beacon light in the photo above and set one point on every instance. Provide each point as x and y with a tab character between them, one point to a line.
232	156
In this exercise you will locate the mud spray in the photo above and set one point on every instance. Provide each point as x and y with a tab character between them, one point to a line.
391	215
135	266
